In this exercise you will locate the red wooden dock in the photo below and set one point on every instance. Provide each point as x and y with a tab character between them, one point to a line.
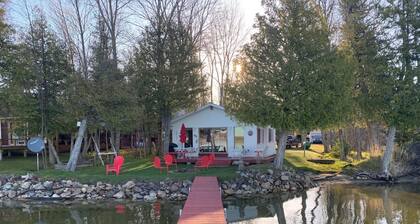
204	203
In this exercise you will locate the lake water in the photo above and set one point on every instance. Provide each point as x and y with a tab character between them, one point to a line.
328	204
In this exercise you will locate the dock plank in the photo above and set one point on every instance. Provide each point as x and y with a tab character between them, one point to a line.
204	203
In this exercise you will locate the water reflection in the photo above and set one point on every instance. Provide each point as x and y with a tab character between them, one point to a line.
339	204
88	212
333	204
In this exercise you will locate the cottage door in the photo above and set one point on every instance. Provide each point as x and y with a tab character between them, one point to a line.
4	133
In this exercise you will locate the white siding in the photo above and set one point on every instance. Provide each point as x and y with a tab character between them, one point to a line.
215	117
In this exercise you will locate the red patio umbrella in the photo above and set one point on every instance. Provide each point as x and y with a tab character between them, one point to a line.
183	135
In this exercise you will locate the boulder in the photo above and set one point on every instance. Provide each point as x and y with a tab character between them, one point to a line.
55	196
38	186
11	194
7	186
161	194
266	185
129	185
137	196
65	194
77	191
119	195
284	178
151	197
48	184
174	188
229	192
184	190
25	185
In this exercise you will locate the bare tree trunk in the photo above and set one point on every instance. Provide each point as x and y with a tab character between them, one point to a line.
282	138
53	152
86	143
326	141
117	140
112	137
359	139
374	144
74	155
342	147
106	140
71	142
86	146
51	158
390	141
165	133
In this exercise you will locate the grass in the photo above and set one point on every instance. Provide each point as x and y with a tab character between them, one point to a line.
319	148
142	169
297	160
133	169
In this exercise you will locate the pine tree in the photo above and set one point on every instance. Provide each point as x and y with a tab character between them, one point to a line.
5	60
293	79
112	98
402	111
362	48
37	82
166	70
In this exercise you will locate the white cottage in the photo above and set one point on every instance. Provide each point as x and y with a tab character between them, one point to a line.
210	125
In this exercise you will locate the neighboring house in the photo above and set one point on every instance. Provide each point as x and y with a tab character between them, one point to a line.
210	129
8	137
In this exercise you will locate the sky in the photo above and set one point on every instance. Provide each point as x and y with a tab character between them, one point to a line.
249	8
16	16
15	10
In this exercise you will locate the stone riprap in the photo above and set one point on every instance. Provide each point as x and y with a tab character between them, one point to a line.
248	183
251	183
32	188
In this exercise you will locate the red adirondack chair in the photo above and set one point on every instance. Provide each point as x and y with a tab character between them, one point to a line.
156	163
169	161
212	158
202	162
116	167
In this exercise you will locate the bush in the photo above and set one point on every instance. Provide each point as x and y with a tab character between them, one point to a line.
335	150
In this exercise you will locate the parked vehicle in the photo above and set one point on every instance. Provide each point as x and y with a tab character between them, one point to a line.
294	141
315	137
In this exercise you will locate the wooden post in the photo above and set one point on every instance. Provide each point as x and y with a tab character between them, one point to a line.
1	154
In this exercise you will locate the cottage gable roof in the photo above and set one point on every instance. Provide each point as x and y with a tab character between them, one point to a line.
210	105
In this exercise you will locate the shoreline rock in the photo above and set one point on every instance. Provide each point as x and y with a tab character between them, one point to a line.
251	183
32	188
248	183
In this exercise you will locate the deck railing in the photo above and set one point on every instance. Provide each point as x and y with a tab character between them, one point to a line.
13	142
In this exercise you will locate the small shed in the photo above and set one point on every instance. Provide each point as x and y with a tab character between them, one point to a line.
210	129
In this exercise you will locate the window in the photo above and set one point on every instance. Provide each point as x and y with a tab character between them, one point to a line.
239	138
210	137
189	142
270	135
260	135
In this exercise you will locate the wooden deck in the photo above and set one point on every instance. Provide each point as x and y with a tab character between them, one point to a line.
204	203
10	148
227	161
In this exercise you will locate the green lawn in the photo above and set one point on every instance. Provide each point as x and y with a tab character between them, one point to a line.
133	169
142	169
319	148
296	159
